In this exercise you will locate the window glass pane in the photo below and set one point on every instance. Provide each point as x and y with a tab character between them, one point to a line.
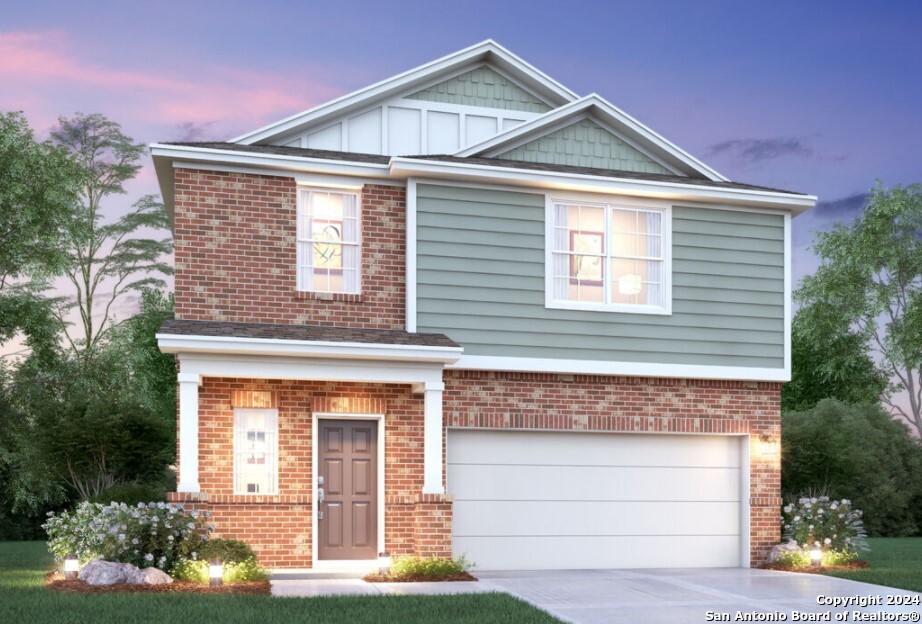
327	222
255	450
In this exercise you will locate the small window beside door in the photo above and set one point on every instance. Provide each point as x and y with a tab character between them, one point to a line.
256	451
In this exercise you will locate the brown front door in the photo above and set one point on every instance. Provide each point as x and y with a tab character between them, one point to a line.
348	458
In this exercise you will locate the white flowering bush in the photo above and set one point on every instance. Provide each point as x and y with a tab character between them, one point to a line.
146	534
830	525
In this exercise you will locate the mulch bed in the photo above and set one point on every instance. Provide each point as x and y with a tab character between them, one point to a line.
418	578
853	565
54	580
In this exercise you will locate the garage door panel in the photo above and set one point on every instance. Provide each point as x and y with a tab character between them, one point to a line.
504	482
588	518
565	552
582	448
555	500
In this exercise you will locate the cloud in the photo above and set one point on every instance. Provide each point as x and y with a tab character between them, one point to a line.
41	70
843	209
192	131
753	151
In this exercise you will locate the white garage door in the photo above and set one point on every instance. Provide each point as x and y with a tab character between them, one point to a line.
537	500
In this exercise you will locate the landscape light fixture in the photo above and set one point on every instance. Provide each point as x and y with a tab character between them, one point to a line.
816	557
71	567
216	573
384	563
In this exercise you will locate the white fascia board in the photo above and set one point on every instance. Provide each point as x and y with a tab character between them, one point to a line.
624	369
485	50
610	113
180	343
550	180
268	161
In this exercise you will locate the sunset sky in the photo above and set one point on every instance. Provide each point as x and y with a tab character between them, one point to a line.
819	97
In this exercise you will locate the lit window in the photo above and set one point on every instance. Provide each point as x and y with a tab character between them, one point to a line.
608	256
328	241
255	451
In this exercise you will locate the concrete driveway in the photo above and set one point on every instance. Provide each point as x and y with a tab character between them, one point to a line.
686	596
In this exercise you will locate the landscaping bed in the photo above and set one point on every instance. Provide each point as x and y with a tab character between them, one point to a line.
55	581
419	578
823	569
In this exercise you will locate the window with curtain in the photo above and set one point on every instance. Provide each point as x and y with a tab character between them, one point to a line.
256	451
328	241
608	256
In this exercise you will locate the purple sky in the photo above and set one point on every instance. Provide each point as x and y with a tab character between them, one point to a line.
820	97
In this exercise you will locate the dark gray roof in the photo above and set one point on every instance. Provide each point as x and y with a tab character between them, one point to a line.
281	150
605	173
304	332
480	160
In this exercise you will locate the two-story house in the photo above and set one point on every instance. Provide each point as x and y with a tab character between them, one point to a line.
465	310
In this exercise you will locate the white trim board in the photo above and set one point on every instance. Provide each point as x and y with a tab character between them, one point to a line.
615	119
625	369
339	564
534	80
177	343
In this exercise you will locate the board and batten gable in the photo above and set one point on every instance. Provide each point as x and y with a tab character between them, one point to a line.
440	118
480	279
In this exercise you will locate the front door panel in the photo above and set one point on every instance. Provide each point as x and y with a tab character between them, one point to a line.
348	458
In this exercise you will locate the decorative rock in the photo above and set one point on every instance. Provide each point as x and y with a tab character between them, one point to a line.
781	549
149	576
100	572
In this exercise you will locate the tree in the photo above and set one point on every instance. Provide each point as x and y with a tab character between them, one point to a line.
859	452
107	259
38	196
829	366
869	285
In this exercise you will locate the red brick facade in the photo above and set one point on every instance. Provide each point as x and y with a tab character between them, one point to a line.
235	261
236	254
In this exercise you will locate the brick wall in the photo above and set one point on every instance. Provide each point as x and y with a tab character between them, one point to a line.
633	404
279	527
236	251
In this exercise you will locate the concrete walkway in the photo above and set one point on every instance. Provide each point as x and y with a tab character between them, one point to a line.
636	596
683	596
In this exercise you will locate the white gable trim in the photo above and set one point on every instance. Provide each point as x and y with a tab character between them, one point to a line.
527	76
613	118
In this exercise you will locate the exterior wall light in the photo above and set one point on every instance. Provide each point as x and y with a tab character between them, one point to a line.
769	446
816	557
384	563
216	573
71	567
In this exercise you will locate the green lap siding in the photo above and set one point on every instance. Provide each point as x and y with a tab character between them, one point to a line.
480	280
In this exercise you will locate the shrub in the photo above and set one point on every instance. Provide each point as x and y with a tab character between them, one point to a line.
227	550
131	494
147	534
196	571
832	526
434	567
860	453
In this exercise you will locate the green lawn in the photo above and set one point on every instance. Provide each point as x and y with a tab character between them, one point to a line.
895	562
23	600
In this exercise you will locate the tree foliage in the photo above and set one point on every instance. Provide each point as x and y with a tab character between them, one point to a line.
856	452
827	366
38	197
107	258
869	286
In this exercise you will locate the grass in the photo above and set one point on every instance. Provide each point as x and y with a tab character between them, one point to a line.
24	599
895	562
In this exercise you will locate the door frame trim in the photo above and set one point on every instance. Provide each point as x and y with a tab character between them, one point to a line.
361	564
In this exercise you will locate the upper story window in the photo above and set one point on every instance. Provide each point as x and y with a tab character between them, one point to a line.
256	451
609	256
328	241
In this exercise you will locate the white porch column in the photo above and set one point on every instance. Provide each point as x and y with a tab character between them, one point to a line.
188	432
432	439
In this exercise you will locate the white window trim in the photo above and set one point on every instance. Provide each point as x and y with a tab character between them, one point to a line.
303	190
606	200
272	451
